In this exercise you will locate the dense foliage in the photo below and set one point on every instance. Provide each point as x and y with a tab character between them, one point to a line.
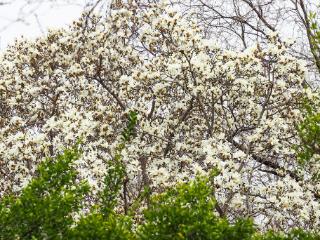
53	206
309	149
187	212
44	206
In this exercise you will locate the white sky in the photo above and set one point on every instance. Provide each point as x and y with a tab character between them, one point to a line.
36	17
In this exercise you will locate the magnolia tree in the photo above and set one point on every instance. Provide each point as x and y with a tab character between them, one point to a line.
199	107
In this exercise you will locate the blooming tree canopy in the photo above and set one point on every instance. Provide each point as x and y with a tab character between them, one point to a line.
199	108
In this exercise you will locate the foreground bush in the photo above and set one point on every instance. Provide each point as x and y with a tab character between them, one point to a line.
187	212
46	206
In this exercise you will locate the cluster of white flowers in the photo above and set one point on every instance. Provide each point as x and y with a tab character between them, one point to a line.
200	107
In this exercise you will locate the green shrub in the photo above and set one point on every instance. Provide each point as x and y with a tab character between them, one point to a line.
309	132
308	150
296	234
94	226
43	210
187	212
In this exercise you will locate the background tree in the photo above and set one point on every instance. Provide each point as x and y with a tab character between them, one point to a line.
200	107
237	24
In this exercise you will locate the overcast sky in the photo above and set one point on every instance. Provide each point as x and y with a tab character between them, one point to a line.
31	20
